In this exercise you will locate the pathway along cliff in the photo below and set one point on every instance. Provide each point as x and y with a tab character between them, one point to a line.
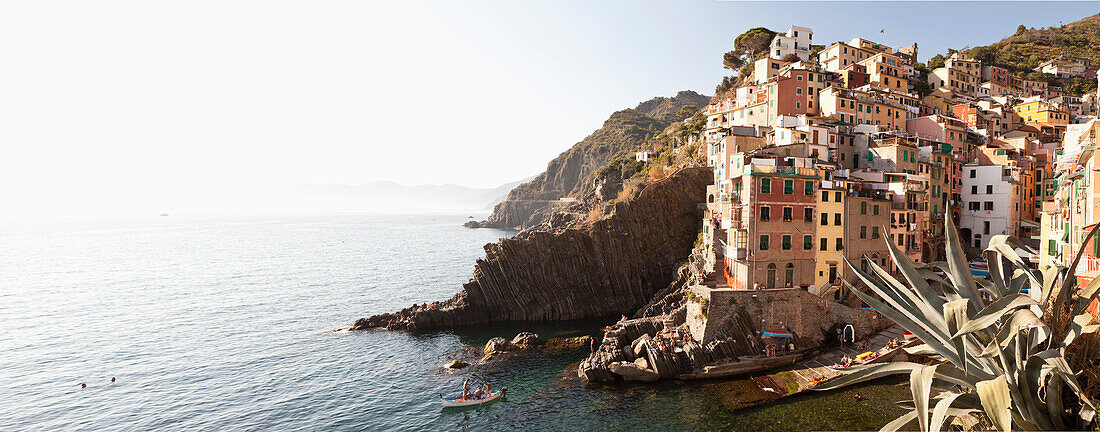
607	267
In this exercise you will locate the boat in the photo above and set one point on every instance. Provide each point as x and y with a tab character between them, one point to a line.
457	401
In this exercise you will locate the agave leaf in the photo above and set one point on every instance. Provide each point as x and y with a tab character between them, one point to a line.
1005	248
919	283
1023	424
909	312
1087	295
996	273
1059	295
1019	318
939	413
1054	402
897	423
955	312
1051	274
922	350
995	402
995	311
1017	283
1032	380
920	383
959	267
948	287
857	374
1078	327
913	302
909	324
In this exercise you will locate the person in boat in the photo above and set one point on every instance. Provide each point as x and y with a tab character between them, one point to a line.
466	389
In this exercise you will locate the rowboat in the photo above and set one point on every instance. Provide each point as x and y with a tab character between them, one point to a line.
459	402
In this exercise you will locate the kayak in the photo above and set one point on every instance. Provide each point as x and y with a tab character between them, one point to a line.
459	402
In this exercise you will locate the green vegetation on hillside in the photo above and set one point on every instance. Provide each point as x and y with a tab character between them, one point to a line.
1025	50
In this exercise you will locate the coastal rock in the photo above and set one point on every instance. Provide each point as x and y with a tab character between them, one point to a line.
498	344
525	339
456	364
472	224
632	372
605	267
556	345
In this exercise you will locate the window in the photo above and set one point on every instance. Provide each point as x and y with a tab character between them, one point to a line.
786	242
809	188
985	227
836	219
839	243
837	196
824	243
974	190
863	208
765	213
863	232
973	173
788	214
824	196
988	189
989	205
874	210
808	214
766	186
788	187
901	240
974	206
824	219
874	232
764	242
807	242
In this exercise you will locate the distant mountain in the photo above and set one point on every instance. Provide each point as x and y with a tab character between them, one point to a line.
386	195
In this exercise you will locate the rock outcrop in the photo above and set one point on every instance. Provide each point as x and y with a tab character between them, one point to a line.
626	131
608	267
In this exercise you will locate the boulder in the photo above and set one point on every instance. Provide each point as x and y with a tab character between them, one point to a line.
526	339
456	364
641	362
640	345
567	344
631	372
497	344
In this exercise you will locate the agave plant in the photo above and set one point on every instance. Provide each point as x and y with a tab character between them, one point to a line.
995	354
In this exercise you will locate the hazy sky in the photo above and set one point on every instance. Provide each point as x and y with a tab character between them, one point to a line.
154	104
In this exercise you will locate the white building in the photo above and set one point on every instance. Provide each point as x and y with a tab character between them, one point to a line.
796	41
990	204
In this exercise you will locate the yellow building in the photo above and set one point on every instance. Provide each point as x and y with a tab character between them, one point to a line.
1041	112
830	212
886	71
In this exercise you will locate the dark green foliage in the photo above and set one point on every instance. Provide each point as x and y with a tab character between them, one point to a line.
792	57
732	60
1020	30
936	62
754	41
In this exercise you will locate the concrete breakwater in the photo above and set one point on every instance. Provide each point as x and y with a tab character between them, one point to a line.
606	267
719	333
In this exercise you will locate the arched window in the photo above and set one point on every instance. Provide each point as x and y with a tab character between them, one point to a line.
769	281
789	276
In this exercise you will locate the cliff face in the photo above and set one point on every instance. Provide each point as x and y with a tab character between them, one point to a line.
609	267
624	133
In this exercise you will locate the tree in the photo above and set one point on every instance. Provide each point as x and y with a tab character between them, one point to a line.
687	111
1020	30
754	41
792	57
732	60
936	62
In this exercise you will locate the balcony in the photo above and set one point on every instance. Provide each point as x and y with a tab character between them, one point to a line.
737	253
1088	267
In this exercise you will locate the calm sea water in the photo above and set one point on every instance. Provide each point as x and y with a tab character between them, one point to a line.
226	323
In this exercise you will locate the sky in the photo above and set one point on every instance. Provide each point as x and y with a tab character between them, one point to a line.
139	106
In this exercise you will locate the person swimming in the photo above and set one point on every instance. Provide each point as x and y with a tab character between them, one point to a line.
83	385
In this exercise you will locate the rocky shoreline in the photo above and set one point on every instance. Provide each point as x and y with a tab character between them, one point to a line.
610	266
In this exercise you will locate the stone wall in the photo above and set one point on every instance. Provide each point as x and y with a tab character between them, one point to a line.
805	314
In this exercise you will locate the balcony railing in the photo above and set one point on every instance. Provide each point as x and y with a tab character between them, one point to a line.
1088	266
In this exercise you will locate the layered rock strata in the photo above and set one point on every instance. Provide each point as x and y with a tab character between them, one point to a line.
608	267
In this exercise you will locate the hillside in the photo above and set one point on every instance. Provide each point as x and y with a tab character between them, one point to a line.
1024	50
621	135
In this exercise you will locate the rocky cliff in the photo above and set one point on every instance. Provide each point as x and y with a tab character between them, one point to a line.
624	133
606	267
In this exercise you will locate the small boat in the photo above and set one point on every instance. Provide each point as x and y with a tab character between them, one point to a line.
459	402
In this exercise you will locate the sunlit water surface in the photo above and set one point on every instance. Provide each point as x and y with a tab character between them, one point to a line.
227	323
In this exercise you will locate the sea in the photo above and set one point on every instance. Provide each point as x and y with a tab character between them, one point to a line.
210	323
